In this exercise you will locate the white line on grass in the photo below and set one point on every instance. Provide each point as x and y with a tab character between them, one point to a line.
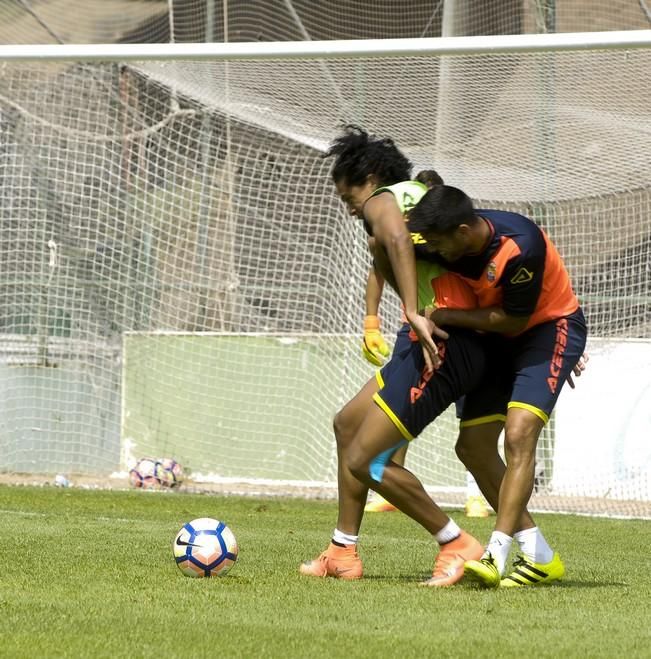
27	513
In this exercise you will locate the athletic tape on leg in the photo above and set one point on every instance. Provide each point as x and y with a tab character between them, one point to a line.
376	468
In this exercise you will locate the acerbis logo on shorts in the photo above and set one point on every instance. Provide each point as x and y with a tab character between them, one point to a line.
556	363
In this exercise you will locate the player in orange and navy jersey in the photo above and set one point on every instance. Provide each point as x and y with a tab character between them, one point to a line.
537	335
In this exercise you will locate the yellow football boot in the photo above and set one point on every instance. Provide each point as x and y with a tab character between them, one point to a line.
528	573
483	572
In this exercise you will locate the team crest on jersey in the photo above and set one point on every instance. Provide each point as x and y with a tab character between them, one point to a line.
522	276
490	271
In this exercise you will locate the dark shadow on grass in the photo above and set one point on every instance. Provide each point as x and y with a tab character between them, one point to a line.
577	583
560	585
468	585
399	579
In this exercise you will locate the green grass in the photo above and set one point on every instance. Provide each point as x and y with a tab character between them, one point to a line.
91	574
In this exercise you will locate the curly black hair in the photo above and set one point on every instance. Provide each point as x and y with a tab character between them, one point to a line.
359	154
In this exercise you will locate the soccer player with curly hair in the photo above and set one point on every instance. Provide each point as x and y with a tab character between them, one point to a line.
371	176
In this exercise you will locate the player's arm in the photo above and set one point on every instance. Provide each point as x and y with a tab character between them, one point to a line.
390	233
521	283
490	319
374	284
374	347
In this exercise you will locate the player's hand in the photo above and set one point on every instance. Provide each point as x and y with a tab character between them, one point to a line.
374	347
437	317
578	369
425	329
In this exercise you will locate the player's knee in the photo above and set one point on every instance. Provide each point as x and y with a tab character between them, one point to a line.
343	428
521	435
469	451
463	450
358	464
520	449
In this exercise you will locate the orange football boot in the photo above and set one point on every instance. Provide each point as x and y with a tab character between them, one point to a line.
335	561
448	566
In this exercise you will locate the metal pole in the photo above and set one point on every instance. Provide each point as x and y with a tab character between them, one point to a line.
482	45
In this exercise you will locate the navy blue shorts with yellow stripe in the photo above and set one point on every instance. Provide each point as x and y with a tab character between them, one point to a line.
527	371
411	399
403	341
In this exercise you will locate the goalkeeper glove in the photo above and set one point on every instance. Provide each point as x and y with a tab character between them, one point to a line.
374	347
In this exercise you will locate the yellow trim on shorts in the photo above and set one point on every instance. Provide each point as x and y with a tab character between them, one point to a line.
396	421
480	420
534	410
379	379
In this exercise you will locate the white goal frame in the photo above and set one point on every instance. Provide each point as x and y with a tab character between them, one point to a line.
517	43
350	49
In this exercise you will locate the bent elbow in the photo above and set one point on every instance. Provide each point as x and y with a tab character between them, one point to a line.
516	324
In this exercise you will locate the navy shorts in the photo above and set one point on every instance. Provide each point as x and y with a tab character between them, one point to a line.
527	371
402	346
413	400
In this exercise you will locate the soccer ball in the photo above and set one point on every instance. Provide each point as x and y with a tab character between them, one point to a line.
205	547
154	473
170	473
145	474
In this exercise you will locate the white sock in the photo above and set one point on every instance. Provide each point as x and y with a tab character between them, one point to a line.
344	538
534	546
448	533
499	547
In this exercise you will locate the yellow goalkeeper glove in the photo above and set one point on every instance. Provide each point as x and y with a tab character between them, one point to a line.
374	347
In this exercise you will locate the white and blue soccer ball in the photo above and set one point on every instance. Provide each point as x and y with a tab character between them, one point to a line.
144	474
156	473
205	547
170	473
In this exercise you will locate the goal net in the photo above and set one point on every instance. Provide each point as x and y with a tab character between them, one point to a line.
162	21
178	277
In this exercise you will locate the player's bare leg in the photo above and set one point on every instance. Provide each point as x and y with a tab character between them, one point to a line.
521	433
352	493
377	435
376	502
477	449
341	559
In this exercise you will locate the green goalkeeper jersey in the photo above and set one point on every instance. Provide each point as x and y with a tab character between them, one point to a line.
407	194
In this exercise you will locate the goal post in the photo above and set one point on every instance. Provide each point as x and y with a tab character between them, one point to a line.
353	48
179	277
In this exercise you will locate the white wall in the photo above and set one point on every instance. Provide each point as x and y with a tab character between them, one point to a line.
603	427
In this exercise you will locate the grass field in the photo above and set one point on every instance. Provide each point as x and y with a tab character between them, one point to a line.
91	574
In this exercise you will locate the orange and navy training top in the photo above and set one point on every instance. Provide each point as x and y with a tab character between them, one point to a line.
519	270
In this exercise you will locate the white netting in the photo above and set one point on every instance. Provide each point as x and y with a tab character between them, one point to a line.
172	248
156	21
